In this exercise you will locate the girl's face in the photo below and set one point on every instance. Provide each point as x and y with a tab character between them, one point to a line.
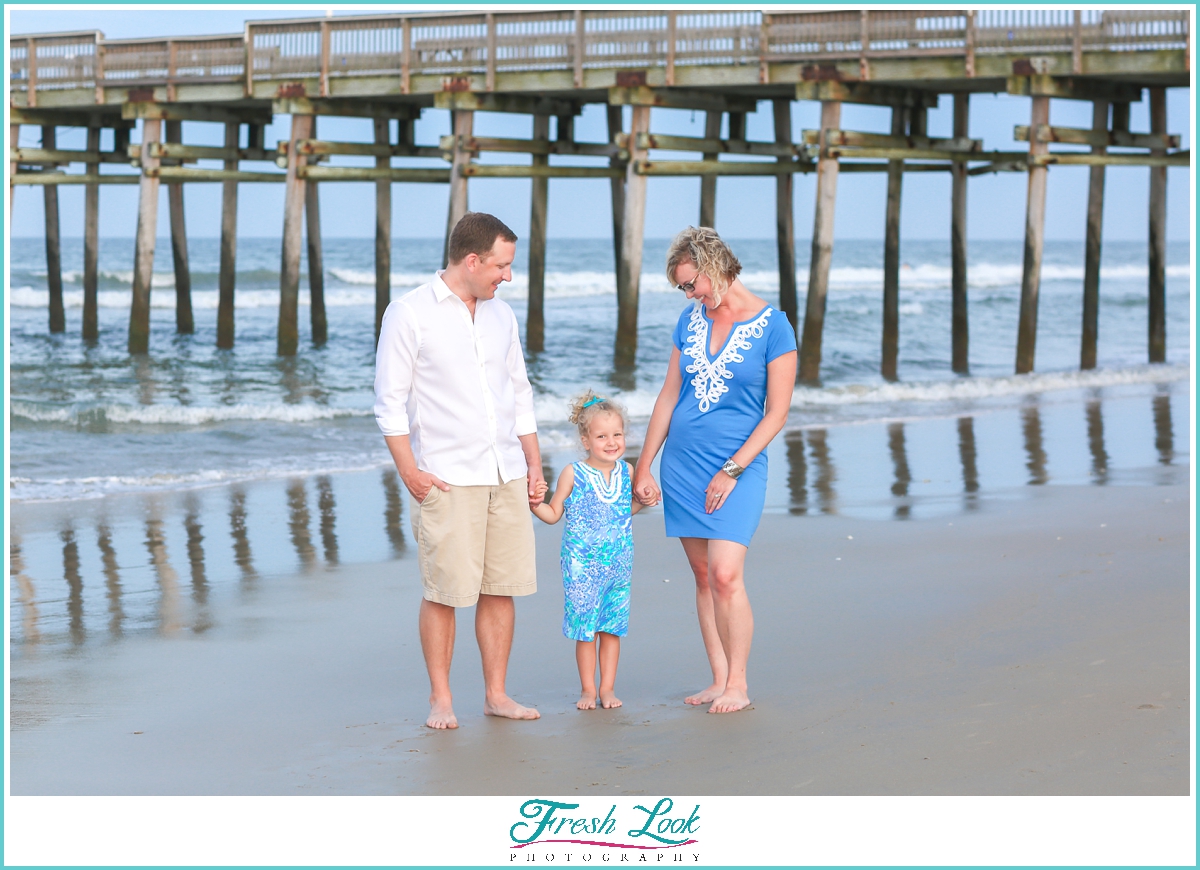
605	440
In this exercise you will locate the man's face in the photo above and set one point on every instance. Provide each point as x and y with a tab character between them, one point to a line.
491	270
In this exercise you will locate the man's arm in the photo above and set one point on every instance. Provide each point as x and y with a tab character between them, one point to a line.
533	458
416	481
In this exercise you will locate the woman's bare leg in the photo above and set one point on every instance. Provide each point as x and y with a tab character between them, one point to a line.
697	555
734	620
585	657
610	652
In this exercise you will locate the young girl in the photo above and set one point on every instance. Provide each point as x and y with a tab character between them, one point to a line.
597	545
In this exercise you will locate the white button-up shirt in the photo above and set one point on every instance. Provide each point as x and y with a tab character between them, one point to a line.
456	386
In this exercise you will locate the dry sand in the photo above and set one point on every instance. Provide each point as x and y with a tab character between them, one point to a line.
1039	645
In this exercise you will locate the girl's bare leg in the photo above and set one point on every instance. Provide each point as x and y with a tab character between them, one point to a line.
585	657
610	652
734	620
696	550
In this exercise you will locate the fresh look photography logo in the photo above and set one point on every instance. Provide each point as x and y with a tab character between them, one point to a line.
568	835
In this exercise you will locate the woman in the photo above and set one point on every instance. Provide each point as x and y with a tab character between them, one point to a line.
726	395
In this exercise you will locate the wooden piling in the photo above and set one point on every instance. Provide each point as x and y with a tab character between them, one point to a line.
288	340
383	228
463	122
316	259
616	125
227	277
737	126
959	332
1157	326
1091	259
822	250
91	243
1035	226
625	351
143	255
58	319
785	232
891	256
184	321
708	183
535	320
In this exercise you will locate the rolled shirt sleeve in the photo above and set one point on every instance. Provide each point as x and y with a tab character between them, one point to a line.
526	418
394	363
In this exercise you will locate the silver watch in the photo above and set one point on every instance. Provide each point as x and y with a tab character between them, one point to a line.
732	469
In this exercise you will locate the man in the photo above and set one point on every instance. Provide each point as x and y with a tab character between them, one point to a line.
455	406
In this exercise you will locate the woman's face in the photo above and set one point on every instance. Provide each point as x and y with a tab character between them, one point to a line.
695	285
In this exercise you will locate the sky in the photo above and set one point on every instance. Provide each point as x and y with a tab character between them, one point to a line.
580	208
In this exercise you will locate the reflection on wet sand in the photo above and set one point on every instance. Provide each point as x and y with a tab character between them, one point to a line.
327	507
1031	425
298	520
826	474
237	527
966	455
112	579
817	443
25	593
900	467
70	558
195	550
797	479
1095	434
393	501
1164	436
169	620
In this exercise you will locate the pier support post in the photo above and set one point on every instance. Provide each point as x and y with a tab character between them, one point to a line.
535	320
293	223
891	256
316	259
383	230
58	319
959	332
1035	227
625	352
91	243
1157	327
708	183
822	250
143	252
785	232
184	322
463	123
616	125
1091	257
227	277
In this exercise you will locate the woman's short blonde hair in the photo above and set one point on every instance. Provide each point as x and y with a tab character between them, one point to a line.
703	248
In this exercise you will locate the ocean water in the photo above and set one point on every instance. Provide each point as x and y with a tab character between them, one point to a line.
89	420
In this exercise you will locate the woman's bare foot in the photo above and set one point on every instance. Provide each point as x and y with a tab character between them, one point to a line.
506	708
608	700
441	717
587	701
706	697
730	701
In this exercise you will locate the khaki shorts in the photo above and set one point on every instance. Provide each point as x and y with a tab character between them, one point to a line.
475	540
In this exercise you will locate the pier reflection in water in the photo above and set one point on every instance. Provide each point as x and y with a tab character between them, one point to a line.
98	571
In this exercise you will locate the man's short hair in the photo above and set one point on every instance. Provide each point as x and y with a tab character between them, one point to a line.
476	233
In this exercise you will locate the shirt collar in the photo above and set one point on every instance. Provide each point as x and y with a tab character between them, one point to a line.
441	290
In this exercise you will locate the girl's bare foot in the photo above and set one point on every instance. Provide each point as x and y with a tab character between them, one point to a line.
730	701
705	697
608	700
587	701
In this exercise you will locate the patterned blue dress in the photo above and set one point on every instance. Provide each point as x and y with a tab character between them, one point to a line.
722	400
597	553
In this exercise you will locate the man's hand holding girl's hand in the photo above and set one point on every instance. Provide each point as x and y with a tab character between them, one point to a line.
540	488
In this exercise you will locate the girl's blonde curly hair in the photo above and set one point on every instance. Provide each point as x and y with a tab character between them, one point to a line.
588	406
703	248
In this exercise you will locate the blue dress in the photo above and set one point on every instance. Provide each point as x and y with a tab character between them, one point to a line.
721	401
597	553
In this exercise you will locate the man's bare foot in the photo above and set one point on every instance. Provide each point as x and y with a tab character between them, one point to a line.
506	708
608	700
587	701
706	697
730	701
441	717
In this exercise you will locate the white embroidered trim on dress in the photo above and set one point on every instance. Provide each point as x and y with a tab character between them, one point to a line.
710	376
608	492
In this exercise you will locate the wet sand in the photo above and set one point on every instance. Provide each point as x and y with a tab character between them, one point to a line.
1038	644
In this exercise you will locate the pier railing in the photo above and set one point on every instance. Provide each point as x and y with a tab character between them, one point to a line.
489	43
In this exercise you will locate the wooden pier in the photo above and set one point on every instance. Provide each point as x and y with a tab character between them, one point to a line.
548	64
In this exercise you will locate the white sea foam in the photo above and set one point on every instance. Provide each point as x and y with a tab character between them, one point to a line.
175	415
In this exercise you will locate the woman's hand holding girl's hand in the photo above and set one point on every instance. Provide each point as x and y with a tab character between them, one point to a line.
645	489
718	491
